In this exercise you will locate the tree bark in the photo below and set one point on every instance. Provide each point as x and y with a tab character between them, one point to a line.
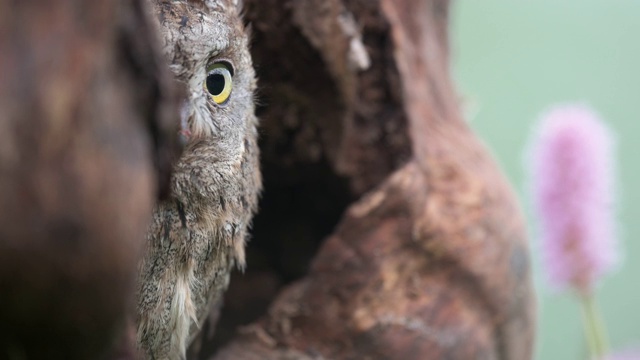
385	217
86	114
429	260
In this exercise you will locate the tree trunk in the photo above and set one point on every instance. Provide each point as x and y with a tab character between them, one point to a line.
385	231
85	143
361	126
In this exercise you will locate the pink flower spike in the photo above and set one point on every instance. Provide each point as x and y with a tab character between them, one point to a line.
572	178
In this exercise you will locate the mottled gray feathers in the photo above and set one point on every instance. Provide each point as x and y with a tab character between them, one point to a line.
198	235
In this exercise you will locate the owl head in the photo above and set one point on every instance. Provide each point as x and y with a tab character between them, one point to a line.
206	45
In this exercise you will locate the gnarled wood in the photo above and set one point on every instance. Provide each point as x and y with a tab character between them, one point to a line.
432	261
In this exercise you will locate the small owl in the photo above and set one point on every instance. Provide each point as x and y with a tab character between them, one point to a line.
198	235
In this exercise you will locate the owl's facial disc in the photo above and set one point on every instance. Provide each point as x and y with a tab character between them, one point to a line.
206	46
215	91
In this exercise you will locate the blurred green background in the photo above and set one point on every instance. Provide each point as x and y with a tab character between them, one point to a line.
513	59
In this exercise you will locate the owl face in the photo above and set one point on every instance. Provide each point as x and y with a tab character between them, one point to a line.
207	49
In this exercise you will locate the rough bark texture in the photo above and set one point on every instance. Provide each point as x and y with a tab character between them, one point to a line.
417	242
85	143
431	260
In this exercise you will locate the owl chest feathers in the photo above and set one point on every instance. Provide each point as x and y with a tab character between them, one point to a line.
195	240
212	203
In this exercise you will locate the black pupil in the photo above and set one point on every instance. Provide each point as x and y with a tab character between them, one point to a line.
215	84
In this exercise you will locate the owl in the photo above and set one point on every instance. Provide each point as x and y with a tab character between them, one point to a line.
197	235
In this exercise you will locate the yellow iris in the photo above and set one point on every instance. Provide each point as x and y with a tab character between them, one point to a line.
219	82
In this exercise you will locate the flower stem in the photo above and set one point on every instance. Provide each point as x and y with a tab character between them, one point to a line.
595	331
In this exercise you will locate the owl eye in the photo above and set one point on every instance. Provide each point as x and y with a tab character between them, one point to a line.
219	82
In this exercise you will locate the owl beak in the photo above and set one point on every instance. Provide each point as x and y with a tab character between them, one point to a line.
185	113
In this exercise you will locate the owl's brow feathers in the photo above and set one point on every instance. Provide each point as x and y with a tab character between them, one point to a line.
200	29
